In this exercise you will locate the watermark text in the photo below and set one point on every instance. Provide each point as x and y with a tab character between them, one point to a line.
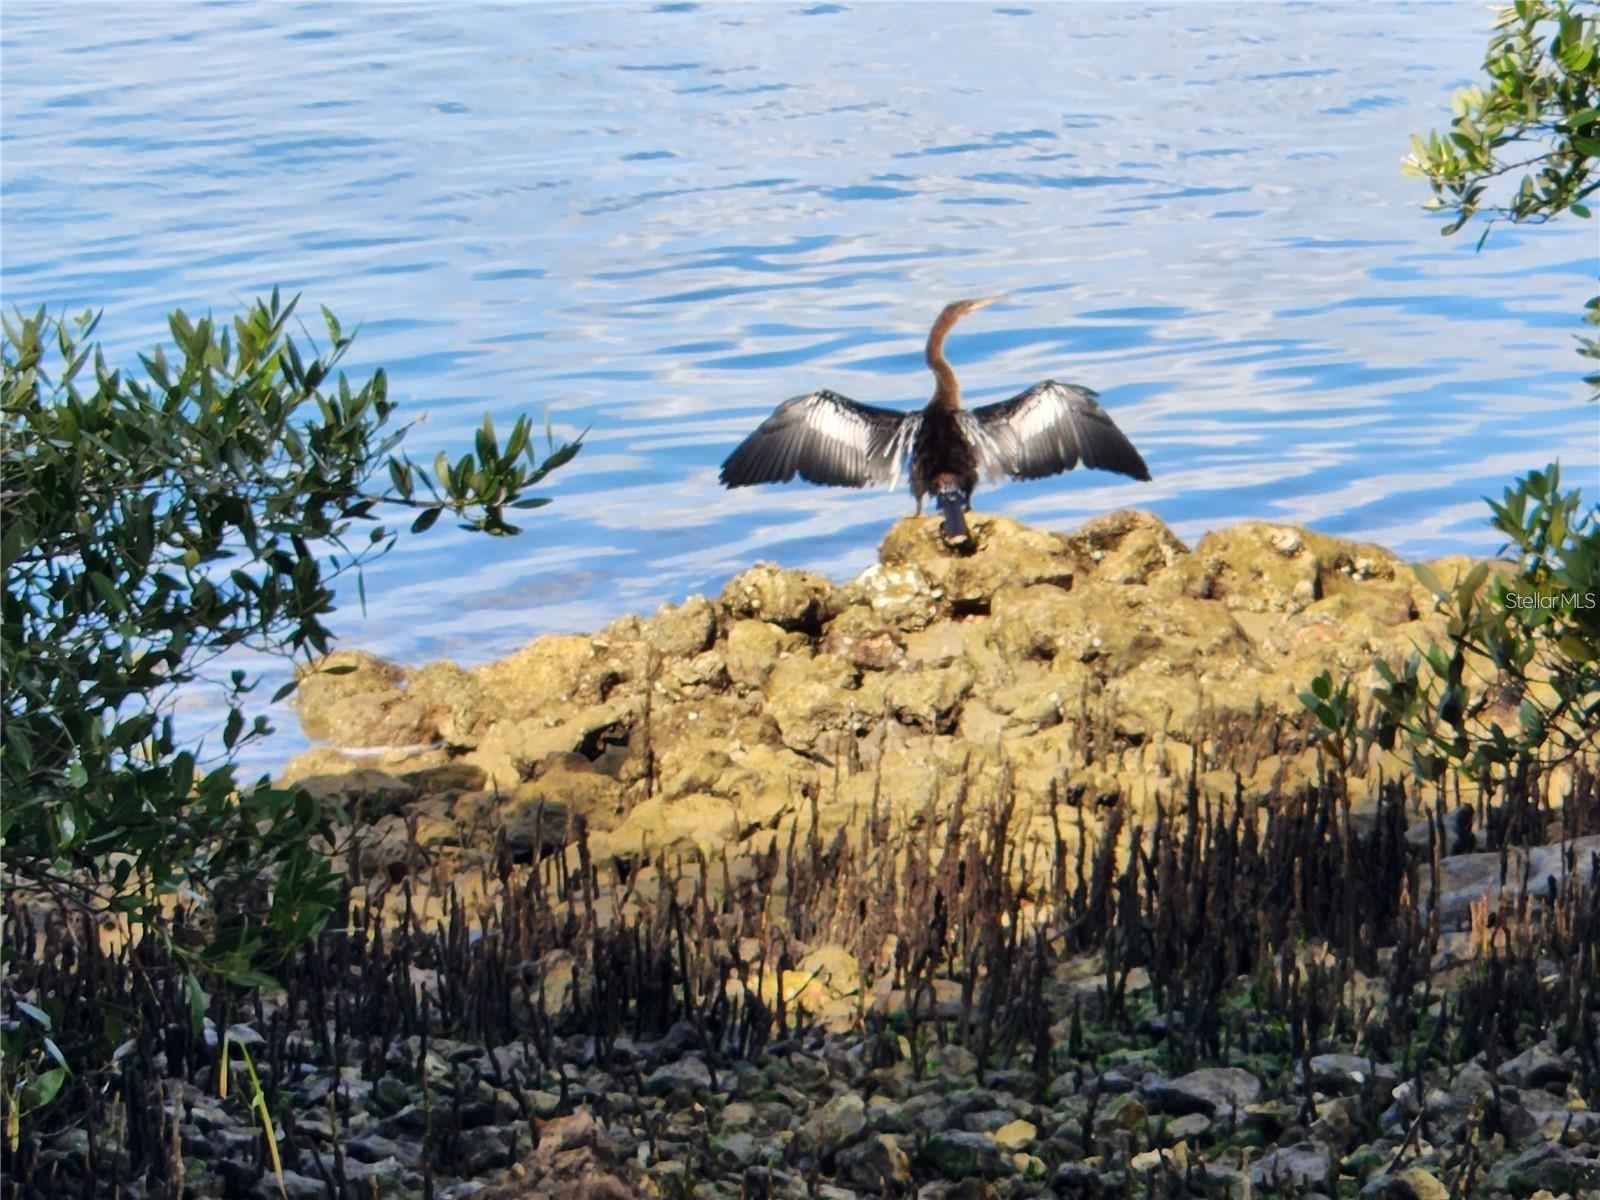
1565	601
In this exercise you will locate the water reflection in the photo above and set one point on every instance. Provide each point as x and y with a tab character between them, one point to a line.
656	223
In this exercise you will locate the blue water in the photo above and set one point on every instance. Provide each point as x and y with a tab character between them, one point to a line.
655	223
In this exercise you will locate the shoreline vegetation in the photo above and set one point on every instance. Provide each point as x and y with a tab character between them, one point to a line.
1019	874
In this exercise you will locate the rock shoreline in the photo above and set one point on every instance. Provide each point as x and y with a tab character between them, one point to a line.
1094	662
973	878
1099	674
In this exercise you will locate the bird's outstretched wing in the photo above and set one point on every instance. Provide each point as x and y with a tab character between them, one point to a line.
824	437
1050	428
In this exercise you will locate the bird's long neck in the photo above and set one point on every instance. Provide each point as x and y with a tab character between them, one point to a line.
947	389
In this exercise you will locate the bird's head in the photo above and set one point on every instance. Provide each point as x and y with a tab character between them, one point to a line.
954	312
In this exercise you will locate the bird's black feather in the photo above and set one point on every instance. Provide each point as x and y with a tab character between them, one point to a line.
1048	429
825	438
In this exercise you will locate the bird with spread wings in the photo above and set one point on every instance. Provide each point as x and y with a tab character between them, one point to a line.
827	438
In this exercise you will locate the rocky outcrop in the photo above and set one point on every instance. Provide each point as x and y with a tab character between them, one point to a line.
1076	663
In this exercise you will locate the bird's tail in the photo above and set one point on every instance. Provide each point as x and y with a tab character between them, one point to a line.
953	504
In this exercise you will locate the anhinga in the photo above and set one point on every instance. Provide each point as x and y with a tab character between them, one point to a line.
826	438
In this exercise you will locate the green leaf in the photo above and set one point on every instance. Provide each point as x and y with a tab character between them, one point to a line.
35	1014
108	592
197	1003
1577	648
1427	578
43	1088
251	978
1468	587
54	1051
231	731
425	520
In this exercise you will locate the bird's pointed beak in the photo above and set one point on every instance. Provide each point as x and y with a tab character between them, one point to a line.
988	300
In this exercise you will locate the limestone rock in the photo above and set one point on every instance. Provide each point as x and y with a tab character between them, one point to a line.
793	600
1413	1183
682	631
1125	546
549	673
1535	1067
355	700
811	698
929	699
834	1125
938	645
1190	1126
1346	1073
574	1159
692	823
1015	1135
320	760
1124	1112
1211	1091
366	791
874	1162
900	596
1007	553
514	749
1256	566
445	778
1465	878
1553	1168
1293	1168
394	845
342	674
958	1154
753	648
590	796
687	1072
862	637
454	700
537	828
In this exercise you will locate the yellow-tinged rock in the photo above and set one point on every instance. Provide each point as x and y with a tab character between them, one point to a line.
512	750
861	637
939	645
320	760
1126	546
549	673
1007	553
793	600
753	648
371	790
356	701
455	701
1256	566
1421	1184
1016	1136
596	798
342	674
703	823
931	698
826	983
682	631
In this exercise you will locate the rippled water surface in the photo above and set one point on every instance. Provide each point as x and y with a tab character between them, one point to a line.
656	223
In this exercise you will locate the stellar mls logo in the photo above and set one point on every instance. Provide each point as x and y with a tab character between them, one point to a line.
1565	601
